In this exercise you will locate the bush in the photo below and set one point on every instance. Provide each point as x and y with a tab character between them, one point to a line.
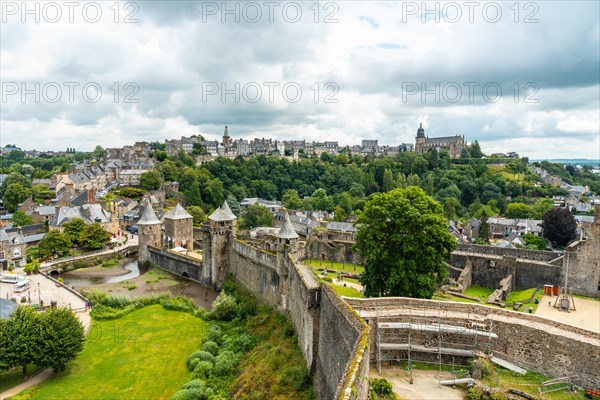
131	287
225	307
381	387
203	369
327	279
196	383
190	394
211	347
239	344
200	356
215	334
225	363
297	377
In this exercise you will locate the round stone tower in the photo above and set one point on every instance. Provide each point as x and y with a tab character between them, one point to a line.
149	233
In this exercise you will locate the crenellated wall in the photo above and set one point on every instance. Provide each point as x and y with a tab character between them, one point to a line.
175	263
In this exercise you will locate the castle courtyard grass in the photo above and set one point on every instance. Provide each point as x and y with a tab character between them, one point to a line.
139	356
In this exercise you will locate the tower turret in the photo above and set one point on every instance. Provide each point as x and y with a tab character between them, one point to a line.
150	232
421	131
420	141
219	230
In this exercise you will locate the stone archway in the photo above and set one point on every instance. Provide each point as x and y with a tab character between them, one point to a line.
185	275
54	273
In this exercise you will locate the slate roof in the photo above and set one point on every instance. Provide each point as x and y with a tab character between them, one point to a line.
227	210
90	213
442	140
287	230
46	210
3	236
7	308
341	226
148	216
219	215
178	213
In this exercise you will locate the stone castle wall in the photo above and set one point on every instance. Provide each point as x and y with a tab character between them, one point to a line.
551	347
175	263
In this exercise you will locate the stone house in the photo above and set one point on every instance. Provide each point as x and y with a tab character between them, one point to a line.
89	213
12	249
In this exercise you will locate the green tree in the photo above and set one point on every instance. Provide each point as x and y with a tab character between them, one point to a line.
291	200
19	218
98	153
131	192
197	213
403	236
94	236
256	215
451	205
475	150
234	205
73	229
62	337
535	243
20	341
14	177
15	194
321	201
54	242
519	210
150	180
169	170
559	226
193	195
484	230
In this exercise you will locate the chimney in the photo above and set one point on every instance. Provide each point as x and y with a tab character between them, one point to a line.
91	196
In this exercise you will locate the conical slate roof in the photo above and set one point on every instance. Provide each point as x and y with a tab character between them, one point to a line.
287	230
148	216
219	215
178	213
227	210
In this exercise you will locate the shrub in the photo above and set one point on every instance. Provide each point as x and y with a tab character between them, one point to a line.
215	334
381	387
225	363
239	344
297	377
327	279
203	369
200	356
190	394
211	347
225	307
23	299
131	287
196	383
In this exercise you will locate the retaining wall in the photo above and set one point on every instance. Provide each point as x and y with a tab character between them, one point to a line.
175	263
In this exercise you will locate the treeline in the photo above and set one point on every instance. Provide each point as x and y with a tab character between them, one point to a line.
342	183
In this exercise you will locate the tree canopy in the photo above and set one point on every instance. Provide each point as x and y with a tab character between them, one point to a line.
94	236
559	226
256	215
150	180
403	236
54	242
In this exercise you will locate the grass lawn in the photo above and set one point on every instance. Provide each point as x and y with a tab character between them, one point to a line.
478	291
14	377
139	356
317	265
346	291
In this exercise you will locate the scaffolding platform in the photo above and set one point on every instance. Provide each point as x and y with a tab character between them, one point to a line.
458	330
423	349
508	365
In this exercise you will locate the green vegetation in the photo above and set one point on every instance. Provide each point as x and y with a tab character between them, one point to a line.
251	353
318	265
479	291
346	290
123	358
14	377
254	216
381	389
403	235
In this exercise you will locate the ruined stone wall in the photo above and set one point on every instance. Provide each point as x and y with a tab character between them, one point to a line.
342	351
526	254
336	250
175	263
548	346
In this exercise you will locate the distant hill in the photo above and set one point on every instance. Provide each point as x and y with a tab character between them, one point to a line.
572	161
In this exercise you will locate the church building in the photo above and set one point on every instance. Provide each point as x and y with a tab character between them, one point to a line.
452	144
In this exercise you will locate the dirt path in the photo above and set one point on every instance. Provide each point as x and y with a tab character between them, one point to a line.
587	314
424	387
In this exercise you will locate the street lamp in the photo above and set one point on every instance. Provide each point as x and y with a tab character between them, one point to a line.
39	295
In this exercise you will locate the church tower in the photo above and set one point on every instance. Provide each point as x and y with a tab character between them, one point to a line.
420	142
226	137
149	234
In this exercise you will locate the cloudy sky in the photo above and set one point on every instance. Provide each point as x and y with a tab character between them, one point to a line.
521	77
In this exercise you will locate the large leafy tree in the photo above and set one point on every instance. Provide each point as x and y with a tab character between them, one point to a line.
559	226
54	242
74	228
62	337
14	177
256	215
14	194
197	213
98	153
403	235
19	339
291	199
150	180
21	219
94	237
